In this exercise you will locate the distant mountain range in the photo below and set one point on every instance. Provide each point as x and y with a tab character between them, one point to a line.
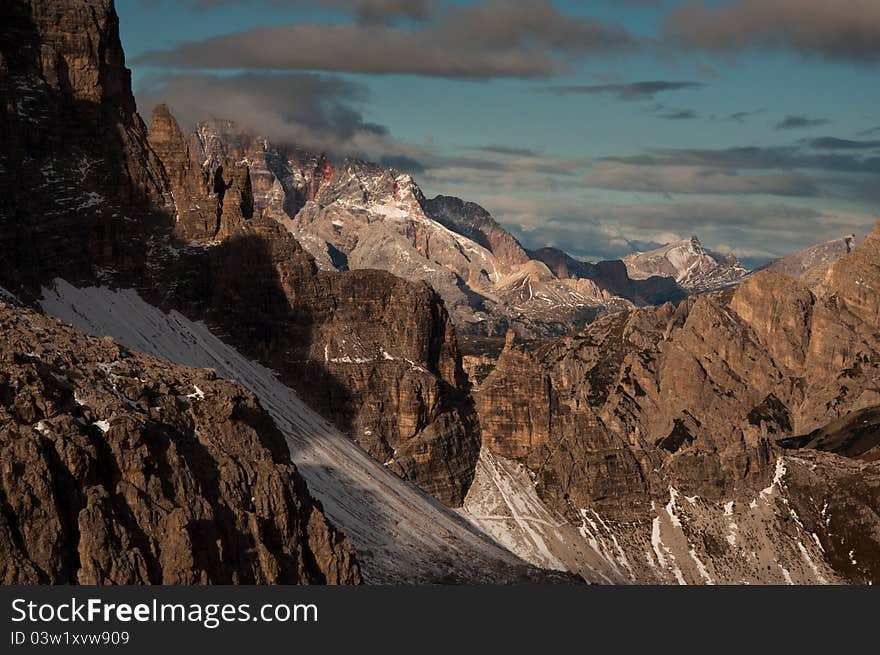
692	266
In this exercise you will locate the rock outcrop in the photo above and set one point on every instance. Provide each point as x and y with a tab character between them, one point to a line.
210	204
74	150
373	353
812	264
118	468
706	402
472	221
695	396
854	281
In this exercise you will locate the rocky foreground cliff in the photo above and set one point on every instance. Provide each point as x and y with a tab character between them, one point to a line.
81	191
119	468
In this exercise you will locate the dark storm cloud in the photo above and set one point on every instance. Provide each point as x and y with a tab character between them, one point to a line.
832	143
403	163
839	29
495	39
633	91
800	122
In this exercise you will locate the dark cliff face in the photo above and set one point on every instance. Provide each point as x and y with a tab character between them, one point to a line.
75	154
111	474
375	354
122	469
209	203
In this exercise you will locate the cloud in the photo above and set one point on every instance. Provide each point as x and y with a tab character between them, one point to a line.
633	91
323	113
741	116
680	115
800	122
754	158
842	29
365	10
403	163
310	110
832	143
594	229
507	150
694	179
495	39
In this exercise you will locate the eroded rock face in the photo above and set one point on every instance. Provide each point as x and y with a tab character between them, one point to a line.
855	279
74	152
812	264
373	353
813	523
695	396
474	222
118	468
210	203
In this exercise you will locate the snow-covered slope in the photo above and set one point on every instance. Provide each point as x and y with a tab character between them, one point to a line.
753	539
691	265
401	534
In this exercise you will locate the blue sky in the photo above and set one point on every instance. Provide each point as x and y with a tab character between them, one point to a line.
600	169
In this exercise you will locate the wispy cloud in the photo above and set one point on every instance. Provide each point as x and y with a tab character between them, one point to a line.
833	143
631	91
365	10
800	122
697	180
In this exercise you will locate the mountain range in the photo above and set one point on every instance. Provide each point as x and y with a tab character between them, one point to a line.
231	361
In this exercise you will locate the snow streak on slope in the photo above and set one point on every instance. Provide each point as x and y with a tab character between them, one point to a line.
686	540
401	534
503	503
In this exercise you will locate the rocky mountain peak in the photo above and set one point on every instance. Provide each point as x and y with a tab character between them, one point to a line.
811	264
210	200
473	221
694	267
74	151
